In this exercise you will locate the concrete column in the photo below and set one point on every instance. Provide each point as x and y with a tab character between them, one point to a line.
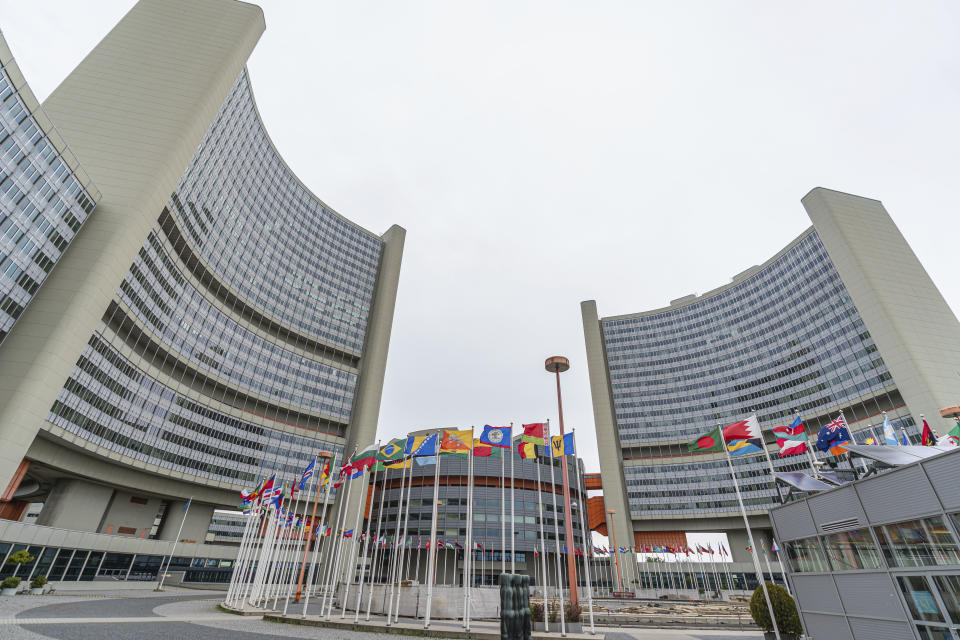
608	442
130	511
75	504
366	403
194	529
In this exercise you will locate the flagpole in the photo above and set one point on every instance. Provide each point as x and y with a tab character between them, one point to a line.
766	452
303	528
336	538
556	532
468	546
786	583
503	515
163	574
543	544
431	556
240	567
746	522
402	542
394	575
236	580
376	538
584	532
366	538
290	554
323	455
351	568
807	448
513	509
264	553
318	531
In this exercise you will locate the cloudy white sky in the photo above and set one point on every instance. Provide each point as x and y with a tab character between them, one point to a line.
544	153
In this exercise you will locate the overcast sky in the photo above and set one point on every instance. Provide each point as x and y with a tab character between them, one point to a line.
544	153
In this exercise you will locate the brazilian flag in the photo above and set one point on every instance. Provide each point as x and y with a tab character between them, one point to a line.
393	450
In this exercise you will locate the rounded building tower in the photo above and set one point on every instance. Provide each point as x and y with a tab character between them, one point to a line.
843	320
214	322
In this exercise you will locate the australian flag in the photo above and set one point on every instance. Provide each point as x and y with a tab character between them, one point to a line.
833	436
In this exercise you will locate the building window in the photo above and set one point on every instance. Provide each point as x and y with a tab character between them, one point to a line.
917	543
805	555
949	587
920	600
852	550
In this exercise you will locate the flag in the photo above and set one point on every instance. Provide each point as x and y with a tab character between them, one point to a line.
774	546
711	441
833	436
889	435
927	438
393	450
496	436
561	446
482	450
533	433
953	436
527	450
791	439
348	534
364	459
743	437
423	461
307	474
422	445
456	441
270	490
395	464
325	473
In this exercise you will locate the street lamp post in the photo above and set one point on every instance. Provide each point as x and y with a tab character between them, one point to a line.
557	365
616	552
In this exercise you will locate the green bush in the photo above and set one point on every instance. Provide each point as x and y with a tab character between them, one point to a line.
788	620
20	557
10	583
39	582
536	612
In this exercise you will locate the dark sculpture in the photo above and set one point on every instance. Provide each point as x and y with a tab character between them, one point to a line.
515	607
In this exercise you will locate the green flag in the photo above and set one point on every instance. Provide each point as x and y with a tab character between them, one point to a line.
393	450
711	441
954	434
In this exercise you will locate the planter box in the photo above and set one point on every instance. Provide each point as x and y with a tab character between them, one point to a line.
8	592
37	591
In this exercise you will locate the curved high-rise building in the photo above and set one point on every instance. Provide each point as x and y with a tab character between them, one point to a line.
214	321
842	319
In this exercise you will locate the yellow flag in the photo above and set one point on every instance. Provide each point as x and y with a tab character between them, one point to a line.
456	441
556	446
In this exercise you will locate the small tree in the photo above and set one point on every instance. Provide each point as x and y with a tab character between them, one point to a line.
20	557
39	582
536	612
788	619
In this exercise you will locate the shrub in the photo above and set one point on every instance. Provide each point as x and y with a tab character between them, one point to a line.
572	613
788	620
38	582
554	614
20	557
10	583
536	612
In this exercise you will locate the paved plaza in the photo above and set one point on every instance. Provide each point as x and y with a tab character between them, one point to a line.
192	614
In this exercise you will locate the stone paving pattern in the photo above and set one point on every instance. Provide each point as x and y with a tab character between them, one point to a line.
188	614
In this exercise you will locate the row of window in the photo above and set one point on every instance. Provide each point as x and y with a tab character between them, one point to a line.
913	543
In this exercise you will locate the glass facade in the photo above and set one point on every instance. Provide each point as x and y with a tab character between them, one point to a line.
231	350
43	200
782	340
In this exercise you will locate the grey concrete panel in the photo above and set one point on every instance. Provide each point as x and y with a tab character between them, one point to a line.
869	629
75	504
826	627
835	506
794	521
817	593
879	496
869	594
944	474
